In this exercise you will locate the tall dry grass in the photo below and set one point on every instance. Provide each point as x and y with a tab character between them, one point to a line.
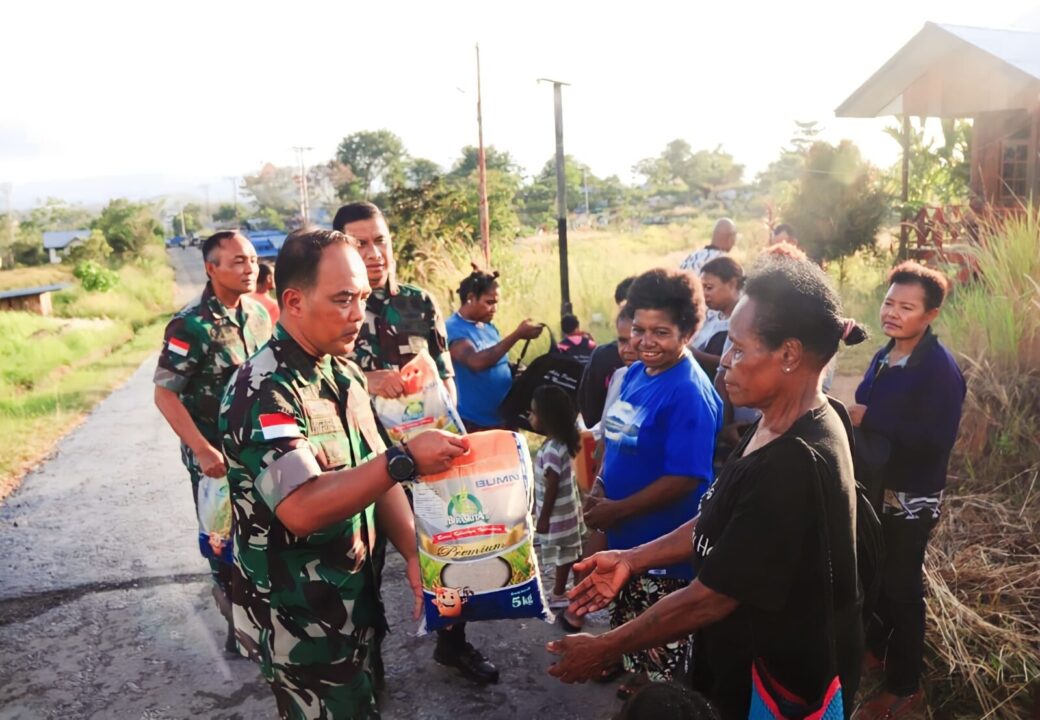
983	567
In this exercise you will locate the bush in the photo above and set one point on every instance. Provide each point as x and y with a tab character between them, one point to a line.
95	248
983	569
94	277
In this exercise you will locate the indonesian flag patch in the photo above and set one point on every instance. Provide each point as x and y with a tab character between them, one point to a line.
177	346
278	425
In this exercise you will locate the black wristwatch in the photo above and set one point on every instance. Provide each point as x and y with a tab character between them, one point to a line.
400	464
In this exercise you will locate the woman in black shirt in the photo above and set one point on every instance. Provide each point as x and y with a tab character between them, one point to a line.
762	568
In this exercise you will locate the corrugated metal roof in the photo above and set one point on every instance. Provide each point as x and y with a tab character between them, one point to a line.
953	71
23	292
59	239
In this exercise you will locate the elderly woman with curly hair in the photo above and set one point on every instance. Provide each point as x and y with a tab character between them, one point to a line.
774	543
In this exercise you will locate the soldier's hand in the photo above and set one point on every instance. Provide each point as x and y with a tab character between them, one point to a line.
528	330
211	461
434	450
385	383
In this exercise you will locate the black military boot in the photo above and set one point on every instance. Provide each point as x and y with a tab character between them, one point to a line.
453	650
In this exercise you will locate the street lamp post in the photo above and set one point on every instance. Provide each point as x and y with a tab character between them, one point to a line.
561	196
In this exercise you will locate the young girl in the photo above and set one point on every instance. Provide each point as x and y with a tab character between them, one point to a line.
557	505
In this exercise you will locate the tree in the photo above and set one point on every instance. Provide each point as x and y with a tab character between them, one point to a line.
776	185
56	214
226	213
374	156
93	249
188	221
539	198
128	227
494	159
274	188
324	182
939	174
420	171
27	248
679	169
839	204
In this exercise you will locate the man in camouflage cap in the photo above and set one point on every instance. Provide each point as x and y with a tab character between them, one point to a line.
402	320
309	475
204	344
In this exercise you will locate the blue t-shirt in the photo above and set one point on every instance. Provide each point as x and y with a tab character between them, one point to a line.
480	393
660	425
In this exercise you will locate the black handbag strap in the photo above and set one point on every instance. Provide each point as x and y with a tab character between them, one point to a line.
523	348
826	557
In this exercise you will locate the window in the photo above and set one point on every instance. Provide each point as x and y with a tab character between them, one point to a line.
1014	166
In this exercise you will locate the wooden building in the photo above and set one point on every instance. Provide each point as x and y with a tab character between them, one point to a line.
989	75
35	300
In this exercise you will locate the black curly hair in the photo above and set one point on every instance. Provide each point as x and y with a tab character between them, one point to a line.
676	292
477	283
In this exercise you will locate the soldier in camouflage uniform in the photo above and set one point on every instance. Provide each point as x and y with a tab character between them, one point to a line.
309	474
401	320
204	344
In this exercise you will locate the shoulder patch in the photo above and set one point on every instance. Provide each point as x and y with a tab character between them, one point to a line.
278	425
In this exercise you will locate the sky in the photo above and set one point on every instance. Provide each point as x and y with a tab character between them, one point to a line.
107	99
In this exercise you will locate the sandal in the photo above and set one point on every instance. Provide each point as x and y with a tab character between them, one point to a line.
885	707
631	686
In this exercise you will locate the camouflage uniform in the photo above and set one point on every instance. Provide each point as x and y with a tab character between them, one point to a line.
400	321
204	344
306	608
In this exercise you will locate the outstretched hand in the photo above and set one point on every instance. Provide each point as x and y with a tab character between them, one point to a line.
608	572
580	658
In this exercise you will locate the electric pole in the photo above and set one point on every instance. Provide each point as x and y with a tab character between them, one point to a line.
561	196
234	194
305	208
485	221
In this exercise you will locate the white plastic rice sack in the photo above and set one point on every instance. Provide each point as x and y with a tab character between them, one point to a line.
475	536
425	405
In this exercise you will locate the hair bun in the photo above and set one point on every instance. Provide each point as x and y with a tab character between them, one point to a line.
854	333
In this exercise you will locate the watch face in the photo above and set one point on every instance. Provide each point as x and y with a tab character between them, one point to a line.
401	466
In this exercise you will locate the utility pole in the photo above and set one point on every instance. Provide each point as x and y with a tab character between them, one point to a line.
485	221
585	182
305	208
561	196
904	195
206	189
234	194
9	221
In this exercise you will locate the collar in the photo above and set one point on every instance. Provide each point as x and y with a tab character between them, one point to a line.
304	366
219	310
924	347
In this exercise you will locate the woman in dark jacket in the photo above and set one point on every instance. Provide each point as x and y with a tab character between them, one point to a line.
766	564
907	411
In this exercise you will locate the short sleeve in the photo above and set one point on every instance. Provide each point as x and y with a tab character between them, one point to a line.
689	417
273	448
551	458
181	356
762	546
437	340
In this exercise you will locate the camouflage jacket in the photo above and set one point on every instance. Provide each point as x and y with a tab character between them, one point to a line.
204	344
400	321
285	418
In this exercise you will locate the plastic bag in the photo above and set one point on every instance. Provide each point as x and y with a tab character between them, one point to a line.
215	518
475	536
424	406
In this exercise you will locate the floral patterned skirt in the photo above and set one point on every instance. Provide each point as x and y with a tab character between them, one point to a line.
661	664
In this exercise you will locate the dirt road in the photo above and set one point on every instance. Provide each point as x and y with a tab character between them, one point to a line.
105	611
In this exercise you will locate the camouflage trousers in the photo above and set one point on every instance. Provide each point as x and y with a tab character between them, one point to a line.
338	691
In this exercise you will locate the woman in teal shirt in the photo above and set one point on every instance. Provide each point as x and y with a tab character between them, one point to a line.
479	352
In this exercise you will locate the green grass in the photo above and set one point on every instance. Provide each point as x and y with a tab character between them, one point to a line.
54	369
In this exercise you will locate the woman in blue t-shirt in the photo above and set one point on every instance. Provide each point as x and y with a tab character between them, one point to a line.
479	352
659	443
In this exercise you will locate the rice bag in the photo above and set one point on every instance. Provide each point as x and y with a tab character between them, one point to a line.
475	536
215	518
425	405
